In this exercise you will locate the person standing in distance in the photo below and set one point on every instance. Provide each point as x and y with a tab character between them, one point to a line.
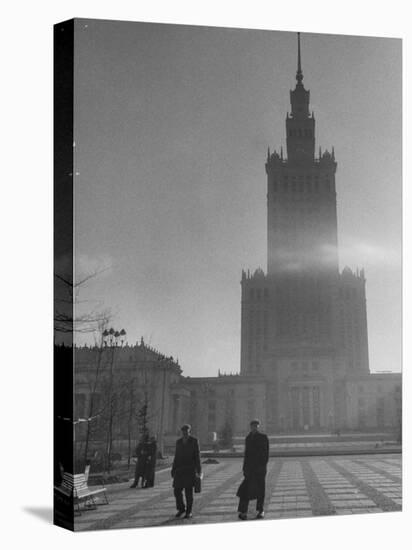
150	467
185	469
141	457
254	470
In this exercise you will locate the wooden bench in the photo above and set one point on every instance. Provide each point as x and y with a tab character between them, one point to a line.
75	487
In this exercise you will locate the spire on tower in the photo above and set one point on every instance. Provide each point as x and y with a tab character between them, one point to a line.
299	75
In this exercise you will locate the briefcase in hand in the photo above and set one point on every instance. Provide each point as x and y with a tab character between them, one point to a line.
198	484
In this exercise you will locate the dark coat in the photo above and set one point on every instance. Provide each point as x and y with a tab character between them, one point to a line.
186	463
254	466
250	488
149	473
141	455
256	455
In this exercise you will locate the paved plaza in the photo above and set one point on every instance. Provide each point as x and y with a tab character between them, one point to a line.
295	487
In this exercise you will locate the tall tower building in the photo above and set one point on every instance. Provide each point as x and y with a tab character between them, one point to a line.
303	323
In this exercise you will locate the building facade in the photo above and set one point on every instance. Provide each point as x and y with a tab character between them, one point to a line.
121	391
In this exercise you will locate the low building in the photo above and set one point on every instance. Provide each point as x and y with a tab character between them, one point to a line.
120	391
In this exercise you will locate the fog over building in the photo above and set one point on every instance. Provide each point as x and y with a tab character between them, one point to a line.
304	363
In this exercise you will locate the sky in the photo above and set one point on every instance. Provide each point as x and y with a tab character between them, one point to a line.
172	125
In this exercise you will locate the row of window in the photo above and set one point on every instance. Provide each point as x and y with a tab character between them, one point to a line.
300	132
380	402
304	229
254	367
301	187
258	293
379	389
308	177
257	351
307	291
303	401
304	366
348	293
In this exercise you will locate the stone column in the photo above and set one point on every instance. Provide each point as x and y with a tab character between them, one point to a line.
311	420
300	406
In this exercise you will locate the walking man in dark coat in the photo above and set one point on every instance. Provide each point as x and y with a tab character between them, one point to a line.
254	470
185	469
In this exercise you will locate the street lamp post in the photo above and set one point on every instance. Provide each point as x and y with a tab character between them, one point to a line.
112	338
164	366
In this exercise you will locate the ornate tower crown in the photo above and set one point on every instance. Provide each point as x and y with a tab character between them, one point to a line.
299	97
300	124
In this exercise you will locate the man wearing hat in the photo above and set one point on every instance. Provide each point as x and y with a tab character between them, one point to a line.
185	469
254	469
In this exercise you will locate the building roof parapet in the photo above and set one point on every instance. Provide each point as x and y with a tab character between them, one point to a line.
139	352
210	381
374	376
327	157
227	374
258	274
350	275
324	160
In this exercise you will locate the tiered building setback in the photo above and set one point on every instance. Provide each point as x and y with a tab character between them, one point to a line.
304	324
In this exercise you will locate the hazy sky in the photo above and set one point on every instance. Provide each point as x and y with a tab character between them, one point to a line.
172	125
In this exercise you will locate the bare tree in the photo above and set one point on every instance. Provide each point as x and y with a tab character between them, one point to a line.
66	302
95	410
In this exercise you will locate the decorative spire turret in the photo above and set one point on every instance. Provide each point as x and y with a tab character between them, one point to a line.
299	74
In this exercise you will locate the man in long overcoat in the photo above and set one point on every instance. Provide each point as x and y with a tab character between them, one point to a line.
254	470
141	458
149	474
185	469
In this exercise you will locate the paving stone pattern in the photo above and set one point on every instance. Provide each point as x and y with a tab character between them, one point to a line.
295	487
